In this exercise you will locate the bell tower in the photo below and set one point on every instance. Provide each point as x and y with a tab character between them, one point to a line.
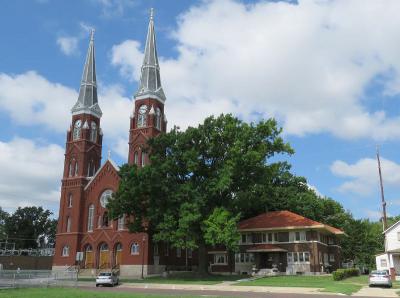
82	160
148	118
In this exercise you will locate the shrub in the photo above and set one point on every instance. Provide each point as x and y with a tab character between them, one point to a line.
345	273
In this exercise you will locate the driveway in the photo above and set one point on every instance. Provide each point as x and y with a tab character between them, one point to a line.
376	292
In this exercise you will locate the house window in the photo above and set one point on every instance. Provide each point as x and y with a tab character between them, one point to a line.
93	131
298	257
331	258
65	251
70	201
189	253
135	249
178	252
244	258
121	222
90	218
68	224
297	236
244	238
219	259
383	263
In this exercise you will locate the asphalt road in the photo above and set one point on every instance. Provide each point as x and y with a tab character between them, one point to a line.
207	293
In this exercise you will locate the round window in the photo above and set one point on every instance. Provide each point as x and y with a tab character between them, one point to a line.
105	196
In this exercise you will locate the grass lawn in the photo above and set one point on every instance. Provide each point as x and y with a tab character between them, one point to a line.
75	293
326	283
181	279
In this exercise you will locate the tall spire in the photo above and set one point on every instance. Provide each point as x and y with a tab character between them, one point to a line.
87	100
150	82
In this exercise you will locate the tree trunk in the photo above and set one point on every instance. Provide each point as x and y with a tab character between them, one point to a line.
202	259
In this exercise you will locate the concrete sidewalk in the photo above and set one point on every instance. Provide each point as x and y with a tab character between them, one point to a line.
225	287
376	292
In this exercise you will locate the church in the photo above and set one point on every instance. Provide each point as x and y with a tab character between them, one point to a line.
86	236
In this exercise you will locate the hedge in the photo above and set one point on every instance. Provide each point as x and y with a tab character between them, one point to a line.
345	273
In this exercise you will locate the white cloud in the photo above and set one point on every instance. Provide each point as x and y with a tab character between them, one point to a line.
68	45
31	174
306	64
363	175
30	99
114	8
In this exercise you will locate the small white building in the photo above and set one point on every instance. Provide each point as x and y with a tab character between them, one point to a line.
390	259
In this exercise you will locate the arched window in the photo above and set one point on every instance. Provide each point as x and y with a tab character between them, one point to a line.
90	169
93	131
158	118
118	247
70	169
142	116
76	168
143	159
90	218
77	130
104	247
135	249
136	158
65	251
88	248
105	219
70	200
121	222
68	224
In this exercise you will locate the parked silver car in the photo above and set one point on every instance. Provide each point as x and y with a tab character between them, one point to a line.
107	278
379	278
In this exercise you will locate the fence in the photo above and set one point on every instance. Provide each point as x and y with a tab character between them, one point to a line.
38	278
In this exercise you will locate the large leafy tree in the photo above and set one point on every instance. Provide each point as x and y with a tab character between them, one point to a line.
222	163
29	226
3	216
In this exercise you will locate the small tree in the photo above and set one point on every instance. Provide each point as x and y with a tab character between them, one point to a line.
220	228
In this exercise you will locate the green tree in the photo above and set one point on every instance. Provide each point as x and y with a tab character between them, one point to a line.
220	228
224	162
3	217
29	226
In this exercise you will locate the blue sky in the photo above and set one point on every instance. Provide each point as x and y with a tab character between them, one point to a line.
328	71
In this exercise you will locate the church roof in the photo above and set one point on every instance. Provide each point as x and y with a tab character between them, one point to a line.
150	80
109	160
87	100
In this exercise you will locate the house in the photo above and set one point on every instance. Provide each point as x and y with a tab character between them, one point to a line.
390	259
282	241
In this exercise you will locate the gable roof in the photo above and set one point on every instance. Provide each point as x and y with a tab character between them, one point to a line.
391	227
109	160
283	220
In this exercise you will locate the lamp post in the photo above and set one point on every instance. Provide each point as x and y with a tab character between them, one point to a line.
143	241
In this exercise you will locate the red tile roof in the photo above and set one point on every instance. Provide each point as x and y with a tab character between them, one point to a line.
264	248
283	220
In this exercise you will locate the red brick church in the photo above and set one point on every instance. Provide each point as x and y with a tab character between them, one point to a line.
87	237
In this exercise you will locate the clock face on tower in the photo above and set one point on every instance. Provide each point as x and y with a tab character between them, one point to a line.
142	109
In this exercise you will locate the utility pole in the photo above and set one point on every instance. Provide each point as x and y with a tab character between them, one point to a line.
384	218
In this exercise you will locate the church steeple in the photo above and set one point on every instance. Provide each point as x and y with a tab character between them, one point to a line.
87	101
150	81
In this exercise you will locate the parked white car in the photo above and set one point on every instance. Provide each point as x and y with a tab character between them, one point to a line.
379	278
107	278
